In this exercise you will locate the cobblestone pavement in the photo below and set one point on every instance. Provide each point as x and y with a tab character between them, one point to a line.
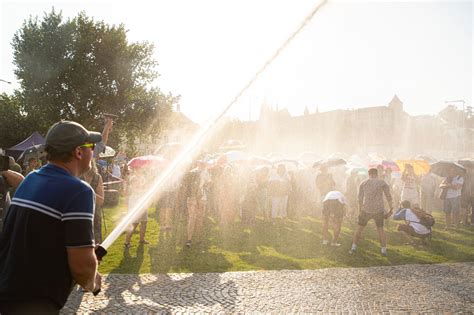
447	288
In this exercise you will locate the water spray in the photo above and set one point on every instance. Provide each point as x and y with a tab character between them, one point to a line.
191	150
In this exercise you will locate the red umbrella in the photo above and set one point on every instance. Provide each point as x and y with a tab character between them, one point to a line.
145	161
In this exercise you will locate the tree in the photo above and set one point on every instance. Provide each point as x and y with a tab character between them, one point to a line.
79	69
13	125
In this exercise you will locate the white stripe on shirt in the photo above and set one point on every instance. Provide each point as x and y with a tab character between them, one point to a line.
49	213
45	207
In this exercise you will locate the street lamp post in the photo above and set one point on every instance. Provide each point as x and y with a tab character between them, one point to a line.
463	128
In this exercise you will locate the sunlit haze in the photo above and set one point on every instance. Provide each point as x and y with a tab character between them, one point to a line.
351	55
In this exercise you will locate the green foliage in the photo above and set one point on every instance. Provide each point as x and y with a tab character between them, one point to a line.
294	244
79	69
13	125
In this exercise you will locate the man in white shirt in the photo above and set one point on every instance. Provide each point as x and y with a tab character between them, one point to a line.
452	202
333	210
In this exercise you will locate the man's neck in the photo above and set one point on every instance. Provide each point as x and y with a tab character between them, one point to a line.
67	167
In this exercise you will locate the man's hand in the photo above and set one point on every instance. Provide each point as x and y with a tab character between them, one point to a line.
389	213
97	283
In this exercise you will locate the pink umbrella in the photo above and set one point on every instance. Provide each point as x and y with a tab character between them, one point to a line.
387	164
146	161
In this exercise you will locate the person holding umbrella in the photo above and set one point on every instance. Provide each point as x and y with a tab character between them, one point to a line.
411	182
451	187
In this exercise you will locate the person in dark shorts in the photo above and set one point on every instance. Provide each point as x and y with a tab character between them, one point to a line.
371	207
333	210
47	244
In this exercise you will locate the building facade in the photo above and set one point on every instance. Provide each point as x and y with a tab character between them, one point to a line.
387	130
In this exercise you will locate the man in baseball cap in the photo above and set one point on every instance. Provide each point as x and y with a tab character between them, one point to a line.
66	135
52	202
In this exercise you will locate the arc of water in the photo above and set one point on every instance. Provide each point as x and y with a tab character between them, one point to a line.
192	148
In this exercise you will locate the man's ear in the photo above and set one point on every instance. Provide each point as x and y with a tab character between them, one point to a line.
77	153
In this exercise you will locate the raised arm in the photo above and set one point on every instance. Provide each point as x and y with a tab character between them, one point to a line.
361	196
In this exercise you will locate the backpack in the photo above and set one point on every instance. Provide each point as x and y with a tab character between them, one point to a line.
425	218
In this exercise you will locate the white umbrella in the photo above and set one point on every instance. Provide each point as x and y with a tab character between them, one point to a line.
109	152
234	156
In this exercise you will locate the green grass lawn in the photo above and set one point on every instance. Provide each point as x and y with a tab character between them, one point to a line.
295	244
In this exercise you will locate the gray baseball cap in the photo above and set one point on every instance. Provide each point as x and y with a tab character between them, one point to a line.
65	135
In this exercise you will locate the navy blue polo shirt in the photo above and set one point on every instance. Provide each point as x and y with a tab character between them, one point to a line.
51	211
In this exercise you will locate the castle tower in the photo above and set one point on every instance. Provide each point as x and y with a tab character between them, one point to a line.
395	104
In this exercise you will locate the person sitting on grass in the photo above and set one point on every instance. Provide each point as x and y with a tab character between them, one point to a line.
333	210
413	226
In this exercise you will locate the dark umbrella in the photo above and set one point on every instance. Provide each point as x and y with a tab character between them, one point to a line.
330	162
467	163
442	168
37	151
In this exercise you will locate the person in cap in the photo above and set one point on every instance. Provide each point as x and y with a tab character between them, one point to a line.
47	243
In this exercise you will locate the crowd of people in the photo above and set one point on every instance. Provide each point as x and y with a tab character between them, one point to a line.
60	204
232	191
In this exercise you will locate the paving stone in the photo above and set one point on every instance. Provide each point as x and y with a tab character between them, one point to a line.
440	288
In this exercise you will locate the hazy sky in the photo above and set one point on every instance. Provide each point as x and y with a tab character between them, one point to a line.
352	54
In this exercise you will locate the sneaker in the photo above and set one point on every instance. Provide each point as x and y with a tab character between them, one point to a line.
127	245
352	251
384	253
335	244
188	244
325	242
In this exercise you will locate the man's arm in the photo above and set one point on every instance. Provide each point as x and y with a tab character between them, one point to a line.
83	266
107	129
388	196
361	196
13	178
400	214
79	240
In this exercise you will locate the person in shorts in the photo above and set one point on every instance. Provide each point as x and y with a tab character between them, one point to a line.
371	207
333	210
452	202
